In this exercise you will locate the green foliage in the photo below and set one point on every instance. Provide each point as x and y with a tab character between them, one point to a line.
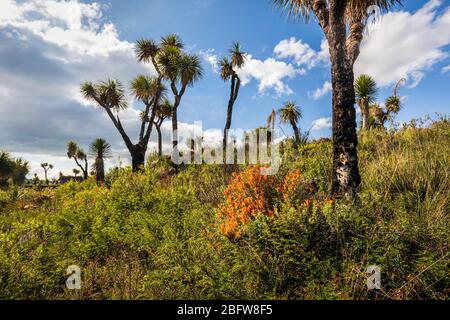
12	170
155	234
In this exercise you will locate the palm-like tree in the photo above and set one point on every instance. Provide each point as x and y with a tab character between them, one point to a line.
228	68
365	91
46	166
291	113
110	95
377	115
147	90
181	70
343	23
394	102
101	150
77	154
76	172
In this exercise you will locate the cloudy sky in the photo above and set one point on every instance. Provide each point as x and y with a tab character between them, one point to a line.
47	47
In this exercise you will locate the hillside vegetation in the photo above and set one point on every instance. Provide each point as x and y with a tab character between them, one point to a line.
200	234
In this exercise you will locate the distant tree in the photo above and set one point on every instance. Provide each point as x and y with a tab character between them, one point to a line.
378	115
110	95
147	90
47	167
181	70
228	72
76	172
291	113
394	102
36	179
6	165
393	105
366	91
20	171
77	154
164	112
101	150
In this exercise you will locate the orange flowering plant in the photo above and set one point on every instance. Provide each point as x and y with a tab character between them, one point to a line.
248	194
251	193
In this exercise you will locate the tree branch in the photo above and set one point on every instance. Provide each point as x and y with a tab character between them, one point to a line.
156	67
149	128
353	42
144	119
119	128
79	165
321	12
183	89
174	88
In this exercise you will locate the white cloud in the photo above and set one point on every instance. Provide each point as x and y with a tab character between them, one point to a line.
70	24
446	69
405	44
321	123
211	58
321	92
47	48
270	74
301	52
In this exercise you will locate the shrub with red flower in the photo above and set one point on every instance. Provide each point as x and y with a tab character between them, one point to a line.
248	194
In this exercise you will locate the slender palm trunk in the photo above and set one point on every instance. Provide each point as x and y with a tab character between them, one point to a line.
85	170
234	91
158	129
346	177
296	133
175	128
45	174
227	128
364	106
175	151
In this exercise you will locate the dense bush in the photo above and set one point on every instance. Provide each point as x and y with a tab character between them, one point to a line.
161	235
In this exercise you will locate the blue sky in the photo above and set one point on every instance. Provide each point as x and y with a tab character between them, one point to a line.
48	47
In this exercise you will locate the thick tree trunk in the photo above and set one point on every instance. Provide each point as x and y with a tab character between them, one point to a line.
138	158
346	178
99	170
